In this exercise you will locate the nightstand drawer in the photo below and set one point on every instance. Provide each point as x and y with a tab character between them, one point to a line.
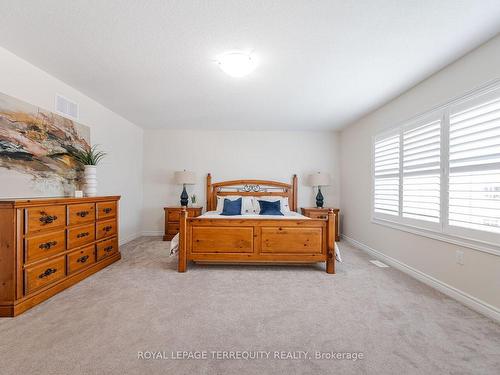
173	228
174	215
318	215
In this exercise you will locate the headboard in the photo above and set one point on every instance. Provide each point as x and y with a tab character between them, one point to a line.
253	188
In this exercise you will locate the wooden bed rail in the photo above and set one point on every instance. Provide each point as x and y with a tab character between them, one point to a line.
257	240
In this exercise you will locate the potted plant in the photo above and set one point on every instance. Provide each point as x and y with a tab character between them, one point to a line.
89	158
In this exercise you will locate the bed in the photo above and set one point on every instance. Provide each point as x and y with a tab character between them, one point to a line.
253	238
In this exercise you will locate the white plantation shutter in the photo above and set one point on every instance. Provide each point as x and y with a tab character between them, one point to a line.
438	174
422	172
474	164
386	172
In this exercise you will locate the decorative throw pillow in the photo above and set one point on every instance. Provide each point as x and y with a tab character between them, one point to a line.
247	204
220	201
270	208
231	208
284	206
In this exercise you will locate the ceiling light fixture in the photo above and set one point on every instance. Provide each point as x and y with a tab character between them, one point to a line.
236	64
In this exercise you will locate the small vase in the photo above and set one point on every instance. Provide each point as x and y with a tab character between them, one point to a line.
90	180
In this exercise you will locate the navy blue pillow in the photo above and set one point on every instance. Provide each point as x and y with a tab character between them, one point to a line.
270	208
231	208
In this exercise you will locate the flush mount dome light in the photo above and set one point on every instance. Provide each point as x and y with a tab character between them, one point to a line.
236	64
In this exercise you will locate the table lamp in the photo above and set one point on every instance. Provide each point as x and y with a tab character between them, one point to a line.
319	179
185	178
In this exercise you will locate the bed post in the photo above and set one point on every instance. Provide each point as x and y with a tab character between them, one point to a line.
330	251
182	266
209	192
294	195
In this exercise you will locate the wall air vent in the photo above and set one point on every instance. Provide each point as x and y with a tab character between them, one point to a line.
66	107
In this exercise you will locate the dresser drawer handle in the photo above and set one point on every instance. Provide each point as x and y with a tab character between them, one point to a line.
83	234
82	259
108	249
47	219
47	245
322	217
107	228
82	213
107	210
48	272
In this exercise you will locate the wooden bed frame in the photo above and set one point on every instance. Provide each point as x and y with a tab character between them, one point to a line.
255	240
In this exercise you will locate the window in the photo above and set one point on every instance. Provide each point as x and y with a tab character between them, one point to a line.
387	176
421	172
440	172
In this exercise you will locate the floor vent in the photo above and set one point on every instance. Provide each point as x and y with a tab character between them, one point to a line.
378	263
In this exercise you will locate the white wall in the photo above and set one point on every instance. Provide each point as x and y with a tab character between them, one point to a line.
121	171
480	275
229	155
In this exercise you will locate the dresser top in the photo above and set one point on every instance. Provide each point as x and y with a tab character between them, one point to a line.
24	202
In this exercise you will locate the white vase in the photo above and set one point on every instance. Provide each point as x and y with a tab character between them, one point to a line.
90	181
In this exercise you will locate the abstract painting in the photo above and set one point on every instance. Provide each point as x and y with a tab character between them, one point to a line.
40	143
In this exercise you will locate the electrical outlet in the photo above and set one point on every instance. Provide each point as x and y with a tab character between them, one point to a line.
459	255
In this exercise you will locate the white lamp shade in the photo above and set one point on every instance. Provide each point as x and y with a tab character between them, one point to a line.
319	179
185	177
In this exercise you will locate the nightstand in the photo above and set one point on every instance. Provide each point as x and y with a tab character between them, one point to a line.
322	213
172	218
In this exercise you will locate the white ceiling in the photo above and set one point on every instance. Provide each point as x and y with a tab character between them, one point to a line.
322	65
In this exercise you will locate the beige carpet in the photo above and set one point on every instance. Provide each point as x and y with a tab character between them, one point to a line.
142	304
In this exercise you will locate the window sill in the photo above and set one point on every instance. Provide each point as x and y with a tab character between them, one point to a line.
485	247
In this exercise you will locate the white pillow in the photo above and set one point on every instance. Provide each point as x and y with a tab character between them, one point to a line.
284	206
247	203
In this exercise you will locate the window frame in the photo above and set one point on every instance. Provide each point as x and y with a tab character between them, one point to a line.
476	239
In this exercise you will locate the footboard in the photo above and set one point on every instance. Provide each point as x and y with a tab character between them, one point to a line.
257	240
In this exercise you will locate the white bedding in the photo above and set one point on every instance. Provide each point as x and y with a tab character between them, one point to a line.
174	244
286	215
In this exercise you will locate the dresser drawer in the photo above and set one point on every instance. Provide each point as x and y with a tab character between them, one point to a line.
106	228
106	248
82	235
45	245
47	217
81	213
106	209
81	259
44	274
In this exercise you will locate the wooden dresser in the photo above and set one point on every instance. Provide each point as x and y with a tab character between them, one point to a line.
172	218
322	213
49	244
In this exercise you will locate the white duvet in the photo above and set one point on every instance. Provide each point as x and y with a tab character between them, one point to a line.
174	244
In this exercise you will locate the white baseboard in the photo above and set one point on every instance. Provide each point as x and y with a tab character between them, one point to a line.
124	240
462	297
151	233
